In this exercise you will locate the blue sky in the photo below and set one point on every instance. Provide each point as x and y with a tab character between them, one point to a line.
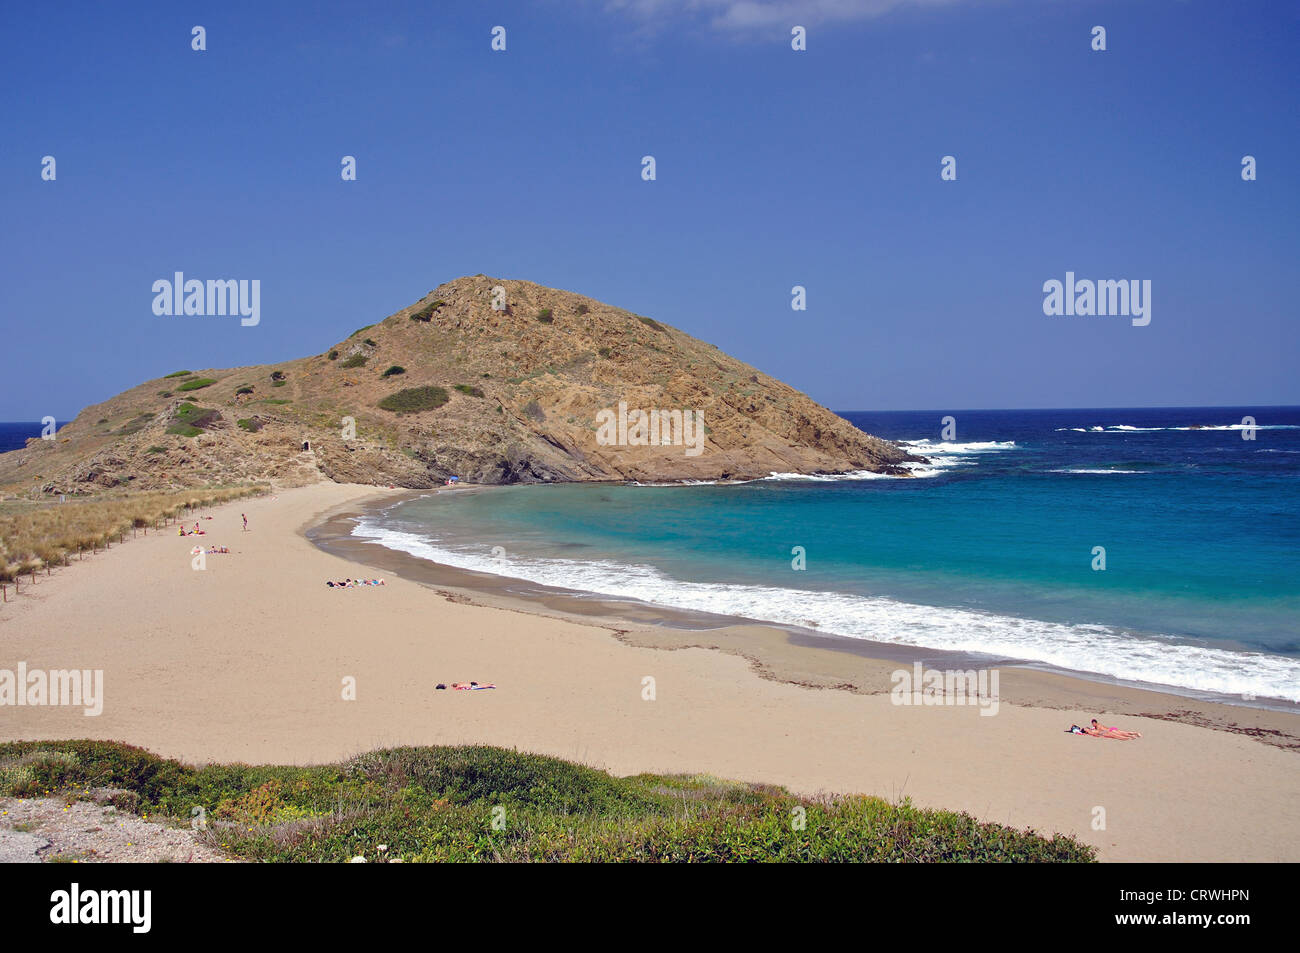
775	168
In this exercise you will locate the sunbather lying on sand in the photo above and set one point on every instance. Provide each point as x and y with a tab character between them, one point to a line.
1104	731
470	686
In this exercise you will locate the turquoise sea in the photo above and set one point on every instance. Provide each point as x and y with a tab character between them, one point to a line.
990	549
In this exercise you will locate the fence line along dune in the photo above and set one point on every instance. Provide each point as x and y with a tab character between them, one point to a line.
38	535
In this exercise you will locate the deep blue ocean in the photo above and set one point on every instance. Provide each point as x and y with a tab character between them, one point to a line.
990	549
14	435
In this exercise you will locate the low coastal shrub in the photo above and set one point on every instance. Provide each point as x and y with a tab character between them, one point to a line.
356	360
135	425
650	322
425	314
177	374
251	424
369	343
583	309
359	330
393	371
197	384
433	804
334	355
415	399
545	316
469	389
244	390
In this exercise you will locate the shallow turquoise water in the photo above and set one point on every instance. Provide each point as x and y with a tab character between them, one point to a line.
991	550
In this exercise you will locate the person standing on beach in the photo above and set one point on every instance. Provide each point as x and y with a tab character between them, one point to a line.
245	516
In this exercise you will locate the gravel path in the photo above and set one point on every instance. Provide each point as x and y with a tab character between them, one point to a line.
41	830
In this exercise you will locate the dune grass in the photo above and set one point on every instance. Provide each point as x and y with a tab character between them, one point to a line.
37	535
477	803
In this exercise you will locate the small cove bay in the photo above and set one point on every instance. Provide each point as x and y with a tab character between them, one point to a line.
989	549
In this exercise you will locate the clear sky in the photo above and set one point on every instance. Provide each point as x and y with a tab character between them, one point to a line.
775	168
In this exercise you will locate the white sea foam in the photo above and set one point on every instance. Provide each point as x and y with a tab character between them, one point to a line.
924	445
1129	428
685	483
834	477
1096	649
1086	470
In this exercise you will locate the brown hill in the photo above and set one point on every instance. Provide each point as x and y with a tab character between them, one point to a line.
491	396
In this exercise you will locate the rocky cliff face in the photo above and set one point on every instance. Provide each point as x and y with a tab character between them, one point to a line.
548	389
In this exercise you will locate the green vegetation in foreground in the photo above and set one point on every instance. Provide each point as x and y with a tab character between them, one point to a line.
439	804
197	383
415	399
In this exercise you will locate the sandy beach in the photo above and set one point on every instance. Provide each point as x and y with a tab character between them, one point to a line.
248	660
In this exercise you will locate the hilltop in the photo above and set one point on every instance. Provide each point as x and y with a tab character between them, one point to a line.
449	385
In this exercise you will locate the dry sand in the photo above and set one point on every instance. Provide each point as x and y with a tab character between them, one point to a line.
246	660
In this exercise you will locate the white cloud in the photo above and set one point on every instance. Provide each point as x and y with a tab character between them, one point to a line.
744	16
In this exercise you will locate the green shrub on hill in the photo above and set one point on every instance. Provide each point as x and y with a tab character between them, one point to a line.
425	314
415	399
197	384
356	360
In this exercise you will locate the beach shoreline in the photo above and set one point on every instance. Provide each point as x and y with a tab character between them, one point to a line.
788	653
249	660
